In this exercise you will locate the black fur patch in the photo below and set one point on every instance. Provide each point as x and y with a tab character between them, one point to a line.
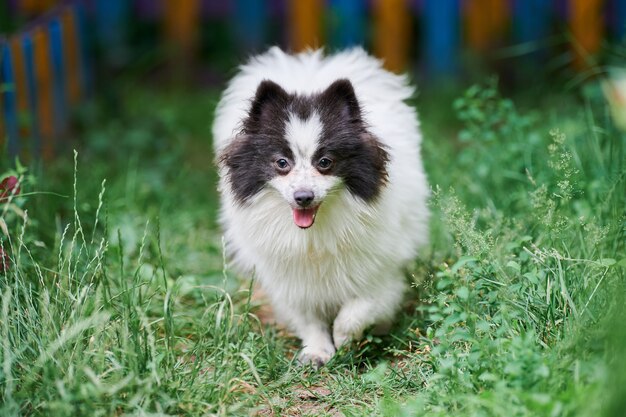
359	158
261	142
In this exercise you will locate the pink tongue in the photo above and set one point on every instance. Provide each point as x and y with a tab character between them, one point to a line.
304	218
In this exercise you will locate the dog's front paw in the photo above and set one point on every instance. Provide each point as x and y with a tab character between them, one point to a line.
345	331
315	356
341	338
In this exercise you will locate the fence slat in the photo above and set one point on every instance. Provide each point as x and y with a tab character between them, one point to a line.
112	24
29	62
587	28
9	102
347	22
486	23
17	57
251	23
43	87
71	57
182	23
58	78
86	71
392	33
441	22
304	21
24	111
619	19
531	20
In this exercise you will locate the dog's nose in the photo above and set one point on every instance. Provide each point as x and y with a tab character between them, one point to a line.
304	198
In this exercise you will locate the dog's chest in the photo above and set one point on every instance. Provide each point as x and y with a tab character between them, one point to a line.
319	270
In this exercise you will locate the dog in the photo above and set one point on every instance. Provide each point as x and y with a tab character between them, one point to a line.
323	194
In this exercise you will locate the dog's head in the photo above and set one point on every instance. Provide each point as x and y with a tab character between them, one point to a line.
303	147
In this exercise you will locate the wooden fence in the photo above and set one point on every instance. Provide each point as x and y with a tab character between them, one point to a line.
44	73
45	62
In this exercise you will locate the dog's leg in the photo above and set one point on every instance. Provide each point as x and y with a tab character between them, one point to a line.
317	344
358	314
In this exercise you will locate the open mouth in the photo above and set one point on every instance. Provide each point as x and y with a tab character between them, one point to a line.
304	217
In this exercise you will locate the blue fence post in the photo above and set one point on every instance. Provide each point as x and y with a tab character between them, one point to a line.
58	75
112	28
619	19
441	22
348	22
9	102
86	72
251	23
29	63
531	18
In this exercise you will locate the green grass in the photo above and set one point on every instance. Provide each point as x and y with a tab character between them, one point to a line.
118	300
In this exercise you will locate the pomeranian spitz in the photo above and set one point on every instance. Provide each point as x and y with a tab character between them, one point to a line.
323	192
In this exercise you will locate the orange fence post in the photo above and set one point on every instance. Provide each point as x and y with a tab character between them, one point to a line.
486	23
8	104
182	24
587	28
304	23
21	86
392	33
43	81
71	56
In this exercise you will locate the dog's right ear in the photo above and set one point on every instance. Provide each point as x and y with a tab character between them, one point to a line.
269	98
341	99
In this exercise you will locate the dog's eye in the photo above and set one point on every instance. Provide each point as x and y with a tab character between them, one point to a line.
324	164
282	165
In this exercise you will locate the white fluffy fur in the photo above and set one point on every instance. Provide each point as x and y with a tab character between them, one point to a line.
331	281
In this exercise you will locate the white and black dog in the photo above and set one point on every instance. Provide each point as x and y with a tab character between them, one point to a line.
324	197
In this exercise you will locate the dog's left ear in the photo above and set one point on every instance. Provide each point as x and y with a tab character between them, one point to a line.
341	97
267	109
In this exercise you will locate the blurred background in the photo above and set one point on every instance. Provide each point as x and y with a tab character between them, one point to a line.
56	54
114	285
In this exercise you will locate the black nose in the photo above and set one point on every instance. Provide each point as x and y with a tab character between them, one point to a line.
304	198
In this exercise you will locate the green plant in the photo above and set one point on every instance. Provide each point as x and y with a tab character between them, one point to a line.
118	300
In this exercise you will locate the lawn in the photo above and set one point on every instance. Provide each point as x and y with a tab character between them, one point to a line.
117	300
